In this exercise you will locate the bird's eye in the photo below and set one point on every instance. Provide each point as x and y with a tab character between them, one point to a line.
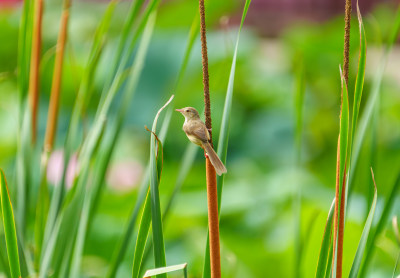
187	110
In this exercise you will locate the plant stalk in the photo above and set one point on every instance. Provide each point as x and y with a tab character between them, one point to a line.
35	65
57	79
211	177
347	19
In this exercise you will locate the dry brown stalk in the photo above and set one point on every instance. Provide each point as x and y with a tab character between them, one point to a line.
211	178
347	19
57	79
339	210
35	65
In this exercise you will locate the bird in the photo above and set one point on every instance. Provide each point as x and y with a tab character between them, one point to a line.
198	134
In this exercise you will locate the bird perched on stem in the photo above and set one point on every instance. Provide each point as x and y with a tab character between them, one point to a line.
198	134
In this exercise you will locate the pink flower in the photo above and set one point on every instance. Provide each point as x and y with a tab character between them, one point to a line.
55	167
124	175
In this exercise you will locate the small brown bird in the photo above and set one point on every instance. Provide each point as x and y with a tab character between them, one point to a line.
197	133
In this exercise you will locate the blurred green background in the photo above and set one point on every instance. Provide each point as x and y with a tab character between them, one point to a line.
257	217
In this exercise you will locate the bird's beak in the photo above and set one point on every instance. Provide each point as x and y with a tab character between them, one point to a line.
179	110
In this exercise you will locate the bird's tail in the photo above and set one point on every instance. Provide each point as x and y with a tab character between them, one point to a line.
215	161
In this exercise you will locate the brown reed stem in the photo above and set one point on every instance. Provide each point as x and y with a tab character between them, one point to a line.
336	212
347	19
35	65
57	80
340	205
211	178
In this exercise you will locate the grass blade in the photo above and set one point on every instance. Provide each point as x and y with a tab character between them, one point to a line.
380	226
224	135
72	134
150	210
92	197
359	136
355	268
360	77
187	162
141	240
326	245
155	176
165	270
9	228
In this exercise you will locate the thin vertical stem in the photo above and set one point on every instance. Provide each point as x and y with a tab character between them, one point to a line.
57	79
35	65
340	204
336	212
211	178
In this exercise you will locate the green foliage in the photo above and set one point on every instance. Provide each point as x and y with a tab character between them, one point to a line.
168	269
325	253
9	228
355	268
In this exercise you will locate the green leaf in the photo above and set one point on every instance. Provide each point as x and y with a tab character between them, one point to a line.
9	228
141	240
185	166
355	268
365	119
380	226
360	78
155	176
163	270
224	134
326	245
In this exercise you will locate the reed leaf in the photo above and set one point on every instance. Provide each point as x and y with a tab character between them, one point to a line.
155	176
185	166
341	179
72	134
164	270
365	119
383	220
224	134
326	246
9	228
92	196
355	268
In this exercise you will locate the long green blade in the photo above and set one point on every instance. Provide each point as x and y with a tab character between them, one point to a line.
141	240
365	119
323	259
164	270
355	268
383	220
155	176
9	228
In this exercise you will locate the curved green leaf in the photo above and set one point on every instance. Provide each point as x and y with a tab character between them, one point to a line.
323	259
9	228
355	268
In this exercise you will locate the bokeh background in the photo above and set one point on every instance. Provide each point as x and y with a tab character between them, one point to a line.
257	217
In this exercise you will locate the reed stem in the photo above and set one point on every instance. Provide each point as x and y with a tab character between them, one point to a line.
35	65
57	79
211	178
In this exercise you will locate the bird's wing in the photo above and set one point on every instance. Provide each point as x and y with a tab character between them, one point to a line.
199	130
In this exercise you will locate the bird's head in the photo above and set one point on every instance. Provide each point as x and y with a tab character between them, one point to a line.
189	113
